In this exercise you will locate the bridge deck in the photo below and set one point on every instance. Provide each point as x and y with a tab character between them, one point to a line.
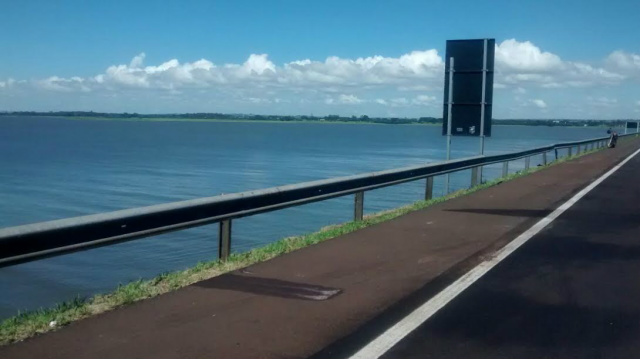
331	298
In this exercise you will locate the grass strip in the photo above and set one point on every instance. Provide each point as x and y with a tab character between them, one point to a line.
28	324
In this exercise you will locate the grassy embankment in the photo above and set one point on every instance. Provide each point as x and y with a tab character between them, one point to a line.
28	324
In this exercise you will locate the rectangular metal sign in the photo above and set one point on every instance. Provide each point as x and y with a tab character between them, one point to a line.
632	125
472	95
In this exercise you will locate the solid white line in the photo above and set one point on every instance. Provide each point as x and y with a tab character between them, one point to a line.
396	333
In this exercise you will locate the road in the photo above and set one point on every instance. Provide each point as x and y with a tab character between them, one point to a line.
571	291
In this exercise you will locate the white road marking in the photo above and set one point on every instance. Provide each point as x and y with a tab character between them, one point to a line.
396	333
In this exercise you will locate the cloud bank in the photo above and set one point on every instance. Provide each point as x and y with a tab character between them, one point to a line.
367	81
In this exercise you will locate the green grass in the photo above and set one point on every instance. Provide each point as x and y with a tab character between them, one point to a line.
28	324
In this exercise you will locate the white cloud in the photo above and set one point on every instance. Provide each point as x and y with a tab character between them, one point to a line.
7	84
137	61
602	101
514	56
364	82
255	65
539	103
523	63
624	62
424	100
419	100
349	100
55	83
518	64
376	70
398	102
411	70
258	100
344	99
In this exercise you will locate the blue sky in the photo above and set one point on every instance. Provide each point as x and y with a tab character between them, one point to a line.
568	59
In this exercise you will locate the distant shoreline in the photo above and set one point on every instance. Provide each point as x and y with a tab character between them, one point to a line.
428	121
218	120
294	122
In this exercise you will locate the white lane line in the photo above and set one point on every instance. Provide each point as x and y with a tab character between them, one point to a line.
396	333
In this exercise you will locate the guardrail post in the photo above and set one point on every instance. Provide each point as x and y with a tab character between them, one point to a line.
527	163
544	158
358	210
505	168
474	176
224	235
570	151
428	190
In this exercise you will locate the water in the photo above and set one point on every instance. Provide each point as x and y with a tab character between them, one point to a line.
52	168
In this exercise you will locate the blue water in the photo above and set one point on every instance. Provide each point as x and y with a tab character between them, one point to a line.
52	168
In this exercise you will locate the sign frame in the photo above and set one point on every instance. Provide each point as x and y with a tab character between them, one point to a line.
472	82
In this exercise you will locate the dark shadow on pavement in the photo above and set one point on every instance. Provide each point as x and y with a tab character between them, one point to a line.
270	287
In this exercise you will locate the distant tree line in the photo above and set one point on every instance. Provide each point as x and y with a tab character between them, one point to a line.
329	118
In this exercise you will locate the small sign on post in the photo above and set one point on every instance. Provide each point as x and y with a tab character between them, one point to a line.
631	126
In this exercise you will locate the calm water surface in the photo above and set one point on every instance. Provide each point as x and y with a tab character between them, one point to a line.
52	168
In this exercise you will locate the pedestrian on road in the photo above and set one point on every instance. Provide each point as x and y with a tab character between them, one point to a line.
613	140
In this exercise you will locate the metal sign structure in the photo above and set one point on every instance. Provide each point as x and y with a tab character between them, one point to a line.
468	91
471	96
632	125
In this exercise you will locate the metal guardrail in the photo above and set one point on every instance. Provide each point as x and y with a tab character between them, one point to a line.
40	240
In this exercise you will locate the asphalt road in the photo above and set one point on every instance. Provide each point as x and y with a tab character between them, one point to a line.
572	291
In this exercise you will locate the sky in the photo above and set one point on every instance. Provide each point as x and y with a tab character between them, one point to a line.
554	59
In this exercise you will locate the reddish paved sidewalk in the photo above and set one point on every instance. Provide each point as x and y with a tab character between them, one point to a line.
276	309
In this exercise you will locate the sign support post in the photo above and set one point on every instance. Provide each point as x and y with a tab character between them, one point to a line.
449	104
484	94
